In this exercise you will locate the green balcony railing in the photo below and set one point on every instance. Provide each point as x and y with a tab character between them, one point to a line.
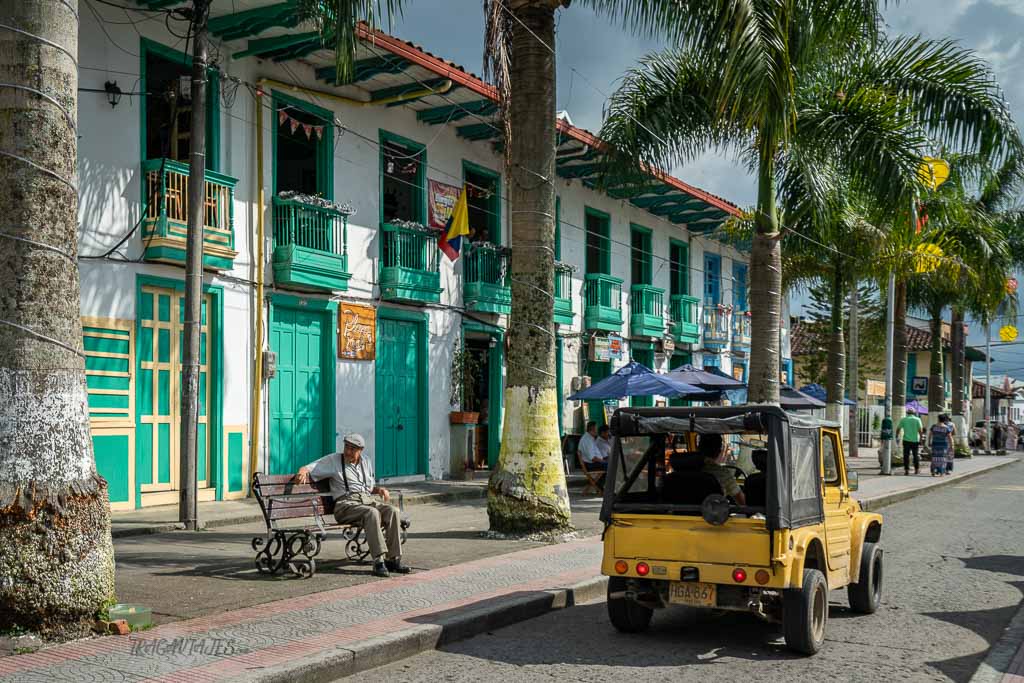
741	329
165	224
716	325
409	265
647	311
485	285
685	325
563	294
310	246
602	302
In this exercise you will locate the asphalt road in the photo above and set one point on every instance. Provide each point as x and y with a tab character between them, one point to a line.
954	562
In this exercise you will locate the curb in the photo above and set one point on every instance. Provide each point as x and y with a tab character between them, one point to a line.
871	504
463	493
381	650
1000	656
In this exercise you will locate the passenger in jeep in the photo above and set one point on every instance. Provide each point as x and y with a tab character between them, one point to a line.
712	448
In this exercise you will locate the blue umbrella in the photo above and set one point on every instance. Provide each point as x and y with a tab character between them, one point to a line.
707	378
791	399
819	392
635	379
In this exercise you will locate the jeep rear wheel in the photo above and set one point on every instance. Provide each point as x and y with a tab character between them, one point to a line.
805	613
626	615
866	595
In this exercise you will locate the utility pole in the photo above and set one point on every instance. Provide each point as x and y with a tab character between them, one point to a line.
188	511
890	329
854	360
988	387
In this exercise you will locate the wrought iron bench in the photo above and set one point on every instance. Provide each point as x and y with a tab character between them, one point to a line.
299	518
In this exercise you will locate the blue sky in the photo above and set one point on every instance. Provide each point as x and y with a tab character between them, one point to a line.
593	53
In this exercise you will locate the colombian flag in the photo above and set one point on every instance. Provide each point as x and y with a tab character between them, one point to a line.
456	228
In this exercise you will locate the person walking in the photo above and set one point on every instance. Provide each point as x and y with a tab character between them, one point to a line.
951	454
939	442
910	427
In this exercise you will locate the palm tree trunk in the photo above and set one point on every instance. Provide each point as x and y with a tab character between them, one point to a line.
836	371
899	353
854	371
937	381
527	491
958	369
765	290
56	555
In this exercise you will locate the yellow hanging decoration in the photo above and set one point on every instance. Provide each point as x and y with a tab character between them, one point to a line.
927	258
933	172
1007	333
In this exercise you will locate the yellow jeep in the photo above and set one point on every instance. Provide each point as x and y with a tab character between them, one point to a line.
788	533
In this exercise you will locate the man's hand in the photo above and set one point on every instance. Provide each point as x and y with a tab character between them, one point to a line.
383	493
302	476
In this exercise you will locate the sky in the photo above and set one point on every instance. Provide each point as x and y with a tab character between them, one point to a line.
593	53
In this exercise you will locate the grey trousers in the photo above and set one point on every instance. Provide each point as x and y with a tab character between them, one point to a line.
381	523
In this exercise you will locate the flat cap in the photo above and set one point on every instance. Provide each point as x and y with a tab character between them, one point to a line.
356	440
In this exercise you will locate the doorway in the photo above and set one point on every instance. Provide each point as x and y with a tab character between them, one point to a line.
487	348
401	400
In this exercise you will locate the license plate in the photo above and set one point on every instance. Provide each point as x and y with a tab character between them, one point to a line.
692	593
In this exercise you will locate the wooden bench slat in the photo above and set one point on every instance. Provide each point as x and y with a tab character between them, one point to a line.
286	489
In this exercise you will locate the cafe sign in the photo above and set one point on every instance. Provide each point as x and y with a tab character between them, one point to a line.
357	326
599	351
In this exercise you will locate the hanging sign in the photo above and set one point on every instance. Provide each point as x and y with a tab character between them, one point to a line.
668	344
919	386
933	172
874	387
615	346
599	351
357	327
441	199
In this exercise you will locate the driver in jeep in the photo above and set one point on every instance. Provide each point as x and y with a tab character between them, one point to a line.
712	448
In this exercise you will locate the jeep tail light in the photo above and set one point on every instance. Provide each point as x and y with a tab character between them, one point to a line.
762	576
642	569
621	567
739	575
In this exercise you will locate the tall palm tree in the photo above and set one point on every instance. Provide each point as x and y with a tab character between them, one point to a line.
56	555
527	490
781	82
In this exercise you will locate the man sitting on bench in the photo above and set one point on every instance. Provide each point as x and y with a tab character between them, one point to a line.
353	488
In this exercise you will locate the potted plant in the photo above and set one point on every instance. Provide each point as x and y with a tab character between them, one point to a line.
465	370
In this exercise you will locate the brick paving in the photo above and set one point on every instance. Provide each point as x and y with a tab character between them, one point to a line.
229	644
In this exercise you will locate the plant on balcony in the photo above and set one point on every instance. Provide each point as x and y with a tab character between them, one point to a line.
413	226
465	371
345	209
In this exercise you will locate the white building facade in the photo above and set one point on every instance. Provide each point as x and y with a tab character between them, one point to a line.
342	190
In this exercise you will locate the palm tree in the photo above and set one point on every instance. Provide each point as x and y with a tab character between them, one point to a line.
527	490
56	555
790	84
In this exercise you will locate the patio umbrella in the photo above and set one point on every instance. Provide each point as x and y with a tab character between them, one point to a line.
635	379
706	378
918	408
791	399
817	391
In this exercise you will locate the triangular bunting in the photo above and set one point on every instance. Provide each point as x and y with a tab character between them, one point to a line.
307	129
281	117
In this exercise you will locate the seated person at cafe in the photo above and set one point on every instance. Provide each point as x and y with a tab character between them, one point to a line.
359	500
590	451
604	443
712	448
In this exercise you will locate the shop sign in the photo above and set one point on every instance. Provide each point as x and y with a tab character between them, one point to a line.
357	329
599	351
919	386
874	387
668	344
615	346
441	199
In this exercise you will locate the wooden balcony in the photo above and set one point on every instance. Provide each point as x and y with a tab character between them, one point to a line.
685	320
741	330
409	264
485	285
165	224
563	294
716	325
310	246
602	302
647	311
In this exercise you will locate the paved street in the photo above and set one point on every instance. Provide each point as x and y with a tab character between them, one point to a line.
954	579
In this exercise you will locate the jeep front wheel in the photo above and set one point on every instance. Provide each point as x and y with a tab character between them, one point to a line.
805	613
866	595
626	615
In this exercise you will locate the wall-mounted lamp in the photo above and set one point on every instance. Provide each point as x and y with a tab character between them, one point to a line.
113	93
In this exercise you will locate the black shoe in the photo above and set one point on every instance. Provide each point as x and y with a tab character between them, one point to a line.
380	568
397	567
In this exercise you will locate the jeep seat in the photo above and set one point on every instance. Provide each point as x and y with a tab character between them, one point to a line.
756	486
687	484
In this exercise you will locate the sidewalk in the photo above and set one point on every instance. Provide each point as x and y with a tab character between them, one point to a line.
346	629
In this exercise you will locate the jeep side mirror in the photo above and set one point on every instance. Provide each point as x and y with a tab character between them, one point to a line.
853	480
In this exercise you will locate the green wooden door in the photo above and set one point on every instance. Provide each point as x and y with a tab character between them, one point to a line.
297	398
398	406
160	348
597	370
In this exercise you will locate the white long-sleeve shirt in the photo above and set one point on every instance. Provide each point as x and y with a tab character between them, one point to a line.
589	450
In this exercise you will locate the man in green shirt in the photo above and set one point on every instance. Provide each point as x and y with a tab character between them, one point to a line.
911	428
